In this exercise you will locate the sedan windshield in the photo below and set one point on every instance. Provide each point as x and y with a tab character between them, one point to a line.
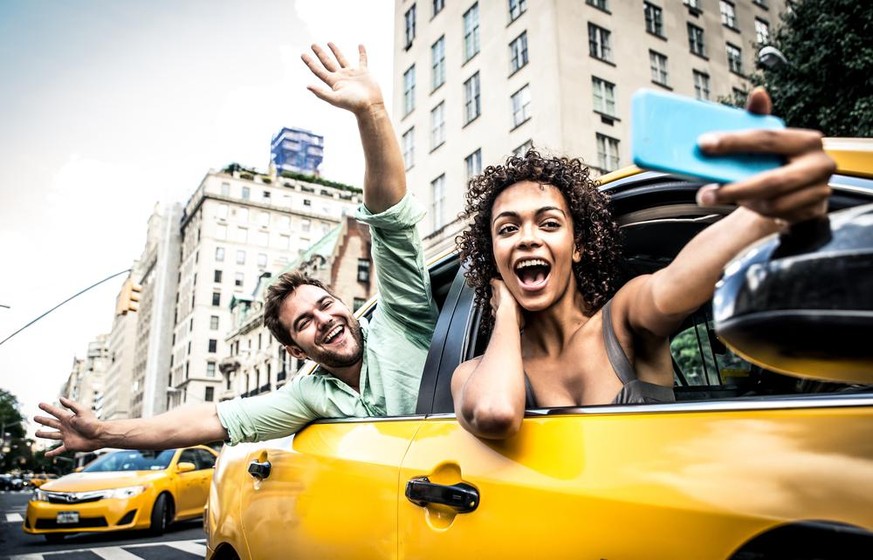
132	461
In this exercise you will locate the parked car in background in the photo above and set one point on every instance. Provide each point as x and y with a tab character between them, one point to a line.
747	464
39	479
125	489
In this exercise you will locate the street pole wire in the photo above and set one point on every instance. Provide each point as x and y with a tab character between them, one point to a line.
125	271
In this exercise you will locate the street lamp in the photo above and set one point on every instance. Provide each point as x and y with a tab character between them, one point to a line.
771	58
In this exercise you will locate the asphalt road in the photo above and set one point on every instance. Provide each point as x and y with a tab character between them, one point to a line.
182	541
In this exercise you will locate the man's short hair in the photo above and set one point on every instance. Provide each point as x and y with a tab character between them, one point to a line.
278	291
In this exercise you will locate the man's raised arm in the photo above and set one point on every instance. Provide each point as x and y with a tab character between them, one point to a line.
355	90
78	429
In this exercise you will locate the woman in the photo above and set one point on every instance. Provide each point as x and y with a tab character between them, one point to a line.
543	252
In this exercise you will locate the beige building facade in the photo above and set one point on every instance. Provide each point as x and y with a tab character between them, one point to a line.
477	81
86	381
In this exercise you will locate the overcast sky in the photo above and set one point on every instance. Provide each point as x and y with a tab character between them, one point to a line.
108	107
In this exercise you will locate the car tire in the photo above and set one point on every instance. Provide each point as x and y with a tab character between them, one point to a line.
162	515
54	537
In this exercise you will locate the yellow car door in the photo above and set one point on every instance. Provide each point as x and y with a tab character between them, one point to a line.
192	487
330	491
665	481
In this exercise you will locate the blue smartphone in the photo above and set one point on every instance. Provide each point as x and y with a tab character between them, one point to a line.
665	128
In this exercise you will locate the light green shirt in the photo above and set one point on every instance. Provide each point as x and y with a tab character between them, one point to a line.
396	340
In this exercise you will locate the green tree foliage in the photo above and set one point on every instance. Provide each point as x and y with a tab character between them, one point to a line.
828	81
13	447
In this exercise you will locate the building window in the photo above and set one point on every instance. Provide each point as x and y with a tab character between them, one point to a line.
695	40
472	102
604	96
735	58
518	53
213	346
438	126
471	32
213	322
221	211
520	106
240	257
654	19
438	199
522	150
599	4
262	260
364	270
409	90
473	163
238	279
607	152
225	189
438	6
409	18
438	63
245	193
692	4
209	394
658	65
262	238
305	226
598	43
216	276
762	31
242	235
242	214
221	231
216	299
516	8
219	254
728	14
307	202
210	369
701	85
408	141
762	3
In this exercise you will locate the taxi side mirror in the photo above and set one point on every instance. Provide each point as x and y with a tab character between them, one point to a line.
185	466
801	303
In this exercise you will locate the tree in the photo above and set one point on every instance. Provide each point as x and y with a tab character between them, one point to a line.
11	431
827	83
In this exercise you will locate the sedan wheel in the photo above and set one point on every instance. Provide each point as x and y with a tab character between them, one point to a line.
162	515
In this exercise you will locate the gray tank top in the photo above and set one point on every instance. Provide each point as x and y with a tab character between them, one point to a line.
633	391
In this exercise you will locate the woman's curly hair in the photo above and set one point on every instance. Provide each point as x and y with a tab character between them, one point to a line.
594	229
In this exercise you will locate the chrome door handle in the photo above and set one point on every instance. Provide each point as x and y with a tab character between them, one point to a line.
260	470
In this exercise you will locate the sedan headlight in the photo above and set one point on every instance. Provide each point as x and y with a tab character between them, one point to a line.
126	492
39	496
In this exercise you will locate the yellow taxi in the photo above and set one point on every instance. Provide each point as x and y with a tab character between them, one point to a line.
124	489
748	463
38	480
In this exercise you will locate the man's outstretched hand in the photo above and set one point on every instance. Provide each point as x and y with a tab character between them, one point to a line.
353	89
76	427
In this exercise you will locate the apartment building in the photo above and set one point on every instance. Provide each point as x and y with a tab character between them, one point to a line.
157	274
238	225
86	381
477	81
122	345
257	363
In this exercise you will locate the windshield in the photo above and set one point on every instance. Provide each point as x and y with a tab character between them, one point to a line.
132	461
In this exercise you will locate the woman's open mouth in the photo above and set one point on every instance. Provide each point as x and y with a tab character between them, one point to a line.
532	274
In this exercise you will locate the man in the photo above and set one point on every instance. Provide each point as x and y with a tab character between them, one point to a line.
365	369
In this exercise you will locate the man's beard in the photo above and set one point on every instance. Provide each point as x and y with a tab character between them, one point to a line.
331	359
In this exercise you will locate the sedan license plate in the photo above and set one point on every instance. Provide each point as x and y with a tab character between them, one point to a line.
66	517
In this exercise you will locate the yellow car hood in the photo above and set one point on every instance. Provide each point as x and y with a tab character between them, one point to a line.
85	481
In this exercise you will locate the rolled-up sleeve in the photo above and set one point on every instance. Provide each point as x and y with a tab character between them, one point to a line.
401	274
267	416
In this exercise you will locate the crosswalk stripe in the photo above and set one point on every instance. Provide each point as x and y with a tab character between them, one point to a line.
114	553
190	546
14	518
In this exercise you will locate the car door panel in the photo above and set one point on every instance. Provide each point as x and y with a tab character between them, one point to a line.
597	485
331	491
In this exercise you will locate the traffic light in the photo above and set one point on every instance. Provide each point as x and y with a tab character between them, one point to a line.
135	294
128	298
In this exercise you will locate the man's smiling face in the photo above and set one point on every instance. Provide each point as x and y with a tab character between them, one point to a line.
322	327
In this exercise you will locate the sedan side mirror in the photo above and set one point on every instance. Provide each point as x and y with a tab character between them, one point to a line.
801	303
185	466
